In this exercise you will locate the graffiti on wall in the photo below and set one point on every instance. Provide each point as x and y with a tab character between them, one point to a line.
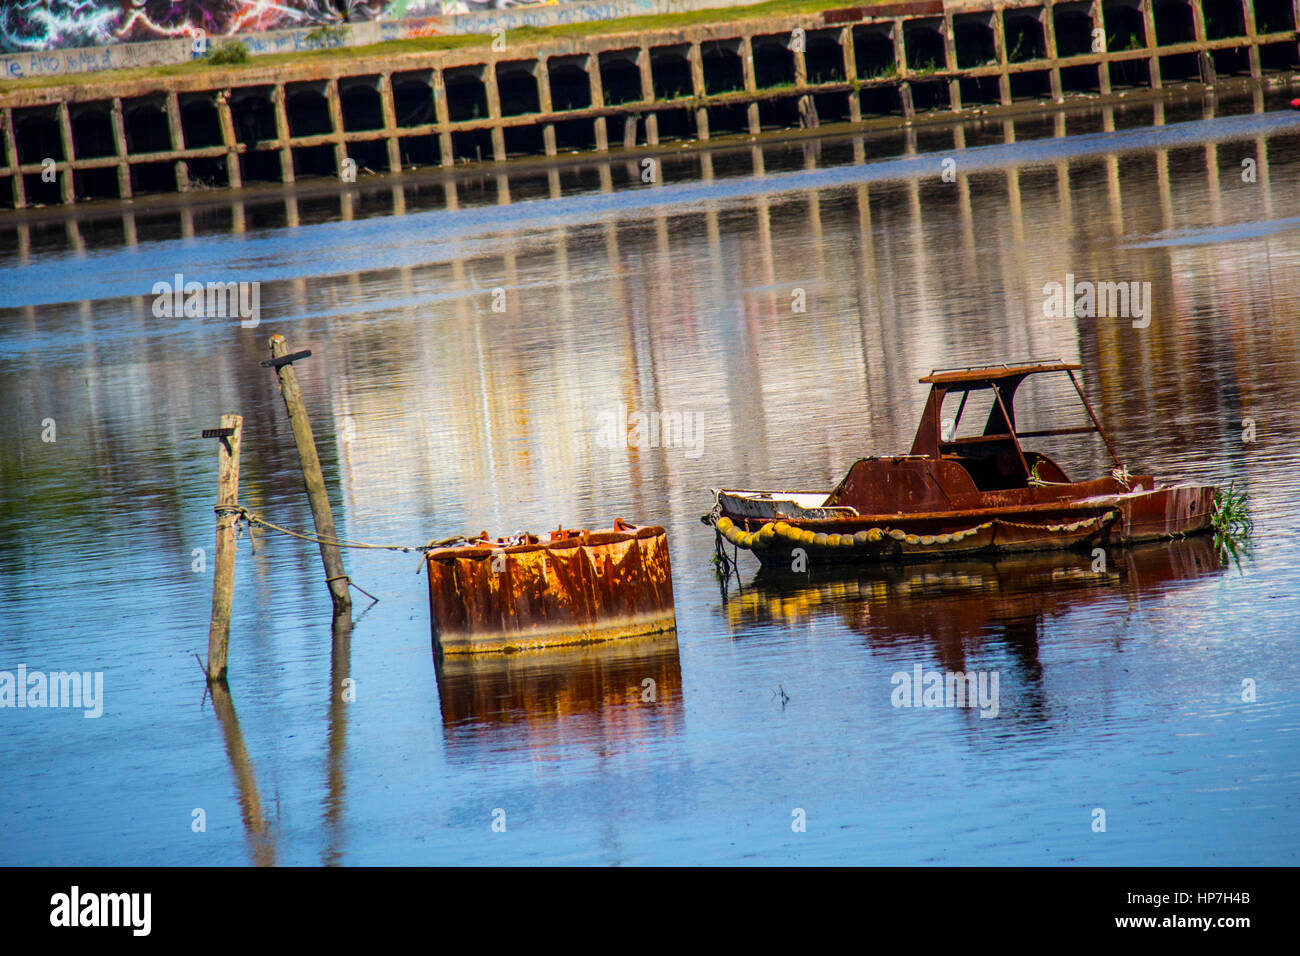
31	25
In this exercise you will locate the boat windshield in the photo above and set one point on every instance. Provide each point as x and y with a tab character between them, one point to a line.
974	420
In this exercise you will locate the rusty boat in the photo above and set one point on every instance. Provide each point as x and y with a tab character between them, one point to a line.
576	587
955	495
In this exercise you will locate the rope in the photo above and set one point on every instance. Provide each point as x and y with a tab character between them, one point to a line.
764	536
243	514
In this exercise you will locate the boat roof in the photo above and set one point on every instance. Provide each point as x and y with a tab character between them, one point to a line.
987	373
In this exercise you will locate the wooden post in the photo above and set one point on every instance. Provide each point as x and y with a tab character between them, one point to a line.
316	494
223	577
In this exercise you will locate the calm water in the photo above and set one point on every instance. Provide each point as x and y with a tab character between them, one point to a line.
1121	689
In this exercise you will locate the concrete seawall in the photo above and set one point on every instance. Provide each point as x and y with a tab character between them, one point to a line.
878	66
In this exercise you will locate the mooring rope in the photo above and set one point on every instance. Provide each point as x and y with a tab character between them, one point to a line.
242	513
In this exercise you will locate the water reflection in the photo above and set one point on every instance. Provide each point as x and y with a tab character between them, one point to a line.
341	695
607	697
437	414
257	829
946	612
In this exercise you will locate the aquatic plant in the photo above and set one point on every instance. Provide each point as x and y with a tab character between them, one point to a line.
1232	522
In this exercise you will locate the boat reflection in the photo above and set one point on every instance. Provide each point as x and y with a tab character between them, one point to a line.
604	697
952	609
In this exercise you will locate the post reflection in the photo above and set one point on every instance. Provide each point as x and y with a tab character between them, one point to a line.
336	778
257	830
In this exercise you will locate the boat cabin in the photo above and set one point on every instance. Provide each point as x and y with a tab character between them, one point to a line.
995	458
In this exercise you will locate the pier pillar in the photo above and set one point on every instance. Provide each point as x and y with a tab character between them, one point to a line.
648	95
446	155
390	122
177	134
800	65
807	108
950	58
900	63
11	149
543	79
1208	75
851	73
751	82
1103	69
1000	48
696	60
67	186
1149	23
119	149
336	123
233	175
600	124
283	135
493	92
1252	38
1049	40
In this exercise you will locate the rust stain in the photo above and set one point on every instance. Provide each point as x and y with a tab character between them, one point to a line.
579	587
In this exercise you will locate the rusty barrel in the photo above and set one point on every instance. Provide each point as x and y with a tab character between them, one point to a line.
578	587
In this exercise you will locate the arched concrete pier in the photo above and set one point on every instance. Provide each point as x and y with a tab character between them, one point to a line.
890	64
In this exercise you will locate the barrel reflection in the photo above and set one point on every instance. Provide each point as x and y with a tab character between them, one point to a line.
614	695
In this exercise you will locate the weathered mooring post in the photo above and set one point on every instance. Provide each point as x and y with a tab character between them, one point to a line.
223	577
321	514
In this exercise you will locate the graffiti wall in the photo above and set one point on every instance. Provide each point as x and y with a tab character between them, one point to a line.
45	25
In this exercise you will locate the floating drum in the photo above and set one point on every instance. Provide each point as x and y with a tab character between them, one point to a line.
579	587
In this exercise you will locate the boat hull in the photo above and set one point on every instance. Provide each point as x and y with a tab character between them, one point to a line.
778	538
579	588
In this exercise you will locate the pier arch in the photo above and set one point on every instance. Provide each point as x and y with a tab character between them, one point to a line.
200	124
924	46
670	71
466	94
253	115
92	130
1125	26
145	119
413	103
254	119
973	38
824	57
37	133
1072	23
620	77
1223	19
1026	39
723	71
1274	16
873	51
1173	22
570	82
308	109
517	87
773	61
359	103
